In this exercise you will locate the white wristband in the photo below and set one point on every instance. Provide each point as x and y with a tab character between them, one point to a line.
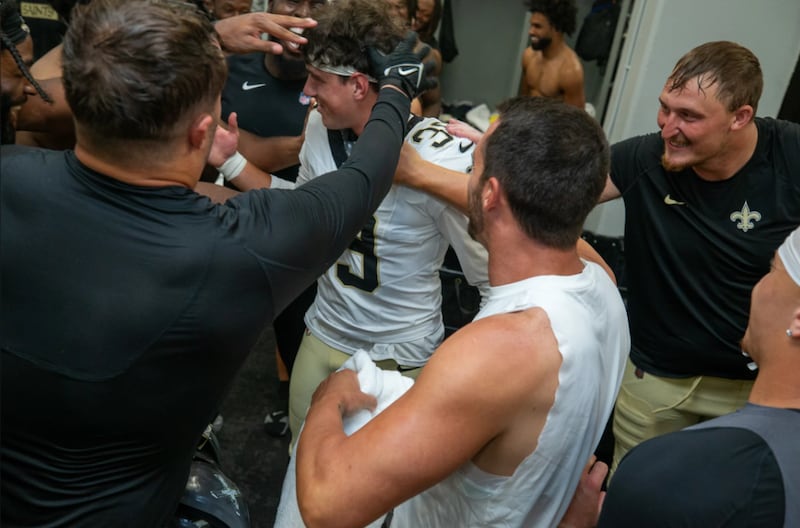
233	166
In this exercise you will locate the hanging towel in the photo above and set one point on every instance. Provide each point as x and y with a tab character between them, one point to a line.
386	386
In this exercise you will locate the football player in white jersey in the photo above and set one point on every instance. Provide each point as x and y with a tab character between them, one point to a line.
383	294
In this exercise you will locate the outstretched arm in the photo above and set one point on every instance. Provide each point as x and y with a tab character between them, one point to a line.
463	130
445	184
272	154
610	191
452	187
327	212
234	167
242	33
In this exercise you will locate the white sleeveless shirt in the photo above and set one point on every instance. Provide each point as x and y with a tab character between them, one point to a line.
590	324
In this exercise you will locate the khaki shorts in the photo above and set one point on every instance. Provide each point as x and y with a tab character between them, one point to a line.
649	406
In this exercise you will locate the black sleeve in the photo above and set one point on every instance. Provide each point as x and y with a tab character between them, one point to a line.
786	151
722	476
297	234
633	157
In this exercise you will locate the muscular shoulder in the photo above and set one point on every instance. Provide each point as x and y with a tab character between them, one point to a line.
570	59
532	61
570	65
527	57
506	367
49	65
517	345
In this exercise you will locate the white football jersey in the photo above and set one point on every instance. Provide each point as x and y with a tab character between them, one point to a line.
383	295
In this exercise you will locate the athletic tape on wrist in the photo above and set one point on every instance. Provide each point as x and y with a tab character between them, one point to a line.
233	166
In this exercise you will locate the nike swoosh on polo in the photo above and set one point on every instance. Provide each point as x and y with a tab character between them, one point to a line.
671	201
246	86
463	148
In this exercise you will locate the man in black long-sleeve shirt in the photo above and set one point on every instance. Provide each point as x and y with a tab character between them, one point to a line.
129	301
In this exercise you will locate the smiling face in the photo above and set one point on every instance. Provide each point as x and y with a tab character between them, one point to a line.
399	10
695	125
540	32
296	8
424	13
334	96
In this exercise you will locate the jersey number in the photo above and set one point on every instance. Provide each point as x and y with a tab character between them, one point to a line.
363	244
437	134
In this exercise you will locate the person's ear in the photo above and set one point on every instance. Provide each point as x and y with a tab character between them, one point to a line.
360	86
742	116
202	131
794	327
490	194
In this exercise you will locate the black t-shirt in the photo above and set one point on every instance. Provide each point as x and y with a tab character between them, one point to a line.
724	476
694	249
126	312
264	105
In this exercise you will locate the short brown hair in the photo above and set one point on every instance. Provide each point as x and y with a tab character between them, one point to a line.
134	70
551	160
732	67
346	28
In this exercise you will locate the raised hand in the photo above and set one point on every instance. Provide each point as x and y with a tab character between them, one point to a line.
403	67
242	33
226	140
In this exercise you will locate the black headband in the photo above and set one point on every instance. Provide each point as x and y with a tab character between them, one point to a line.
14	27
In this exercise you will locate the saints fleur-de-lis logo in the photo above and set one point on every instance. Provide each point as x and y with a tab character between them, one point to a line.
745	217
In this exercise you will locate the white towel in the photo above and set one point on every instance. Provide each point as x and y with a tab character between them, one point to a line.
386	386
